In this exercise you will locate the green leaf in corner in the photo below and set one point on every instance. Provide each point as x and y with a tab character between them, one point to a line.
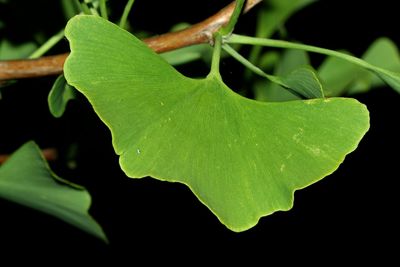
382	53
10	51
392	78
242	158
26	179
341	77
59	95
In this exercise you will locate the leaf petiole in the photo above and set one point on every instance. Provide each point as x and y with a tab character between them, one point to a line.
103	9
234	18
125	14
216	57
248	64
84	7
47	45
391	78
302	82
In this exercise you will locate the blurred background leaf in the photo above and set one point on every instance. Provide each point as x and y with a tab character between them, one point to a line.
25	178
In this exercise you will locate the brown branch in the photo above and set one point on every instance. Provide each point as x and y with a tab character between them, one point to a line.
198	33
201	32
50	154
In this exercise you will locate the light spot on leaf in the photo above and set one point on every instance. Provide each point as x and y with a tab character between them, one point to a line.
282	167
297	137
315	150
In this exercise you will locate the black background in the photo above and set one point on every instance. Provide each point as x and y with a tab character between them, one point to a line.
350	214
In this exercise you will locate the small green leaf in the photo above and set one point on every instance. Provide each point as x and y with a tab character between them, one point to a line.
242	158
59	95
26	179
305	82
302	82
9	51
289	61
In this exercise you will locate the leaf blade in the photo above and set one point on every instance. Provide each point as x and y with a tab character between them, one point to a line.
242	158
59	96
26	179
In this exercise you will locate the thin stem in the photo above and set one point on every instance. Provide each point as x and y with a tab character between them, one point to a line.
103	9
251	66
390	77
261	31
70	8
216	57
241	39
47	45
228	29
275	79
124	17
84	7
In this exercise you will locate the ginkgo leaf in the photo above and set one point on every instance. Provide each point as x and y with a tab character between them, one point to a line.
289	61
26	179
60	94
242	158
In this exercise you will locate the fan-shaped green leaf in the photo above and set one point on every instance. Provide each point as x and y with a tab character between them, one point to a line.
242	158
25	178
59	95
